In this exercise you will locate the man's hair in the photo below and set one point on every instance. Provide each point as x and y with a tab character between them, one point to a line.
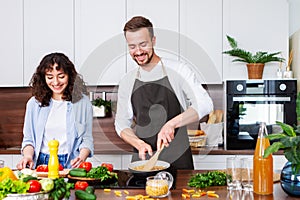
138	22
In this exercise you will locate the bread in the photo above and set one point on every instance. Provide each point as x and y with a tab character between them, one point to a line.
195	132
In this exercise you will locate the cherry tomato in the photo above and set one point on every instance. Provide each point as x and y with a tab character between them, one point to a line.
86	165
61	167
35	186
81	185
109	166
42	168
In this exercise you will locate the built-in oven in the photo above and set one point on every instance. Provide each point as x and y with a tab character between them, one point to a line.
249	102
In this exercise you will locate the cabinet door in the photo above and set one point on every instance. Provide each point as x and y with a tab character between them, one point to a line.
201	38
99	42
11	40
48	28
164	16
257	26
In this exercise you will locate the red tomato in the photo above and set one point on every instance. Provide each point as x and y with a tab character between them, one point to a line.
61	167
109	166
86	165
81	185
42	168
35	186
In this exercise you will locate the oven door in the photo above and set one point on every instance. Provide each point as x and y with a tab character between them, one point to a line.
244	114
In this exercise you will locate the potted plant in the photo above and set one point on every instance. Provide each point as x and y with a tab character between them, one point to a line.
289	142
101	107
255	62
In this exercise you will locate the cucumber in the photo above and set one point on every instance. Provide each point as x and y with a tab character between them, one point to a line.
83	195
90	189
28	178
77	173
79	169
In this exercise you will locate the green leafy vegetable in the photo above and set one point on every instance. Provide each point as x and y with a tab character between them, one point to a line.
61	189
204	180
101	173
8	186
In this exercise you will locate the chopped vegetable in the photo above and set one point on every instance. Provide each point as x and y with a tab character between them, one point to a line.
204	180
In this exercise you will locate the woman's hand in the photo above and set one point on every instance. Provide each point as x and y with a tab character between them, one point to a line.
25	162
76	162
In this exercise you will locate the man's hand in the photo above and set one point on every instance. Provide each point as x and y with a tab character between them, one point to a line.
143	148
166	135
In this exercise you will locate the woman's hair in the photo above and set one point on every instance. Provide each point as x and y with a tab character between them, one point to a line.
75	88
137	23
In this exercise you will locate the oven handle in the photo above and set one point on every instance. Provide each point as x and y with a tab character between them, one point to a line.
255	99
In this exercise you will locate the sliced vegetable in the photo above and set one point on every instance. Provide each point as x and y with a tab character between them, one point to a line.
81	185
109	166
42	168
86	165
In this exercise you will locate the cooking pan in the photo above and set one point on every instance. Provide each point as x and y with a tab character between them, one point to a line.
143	174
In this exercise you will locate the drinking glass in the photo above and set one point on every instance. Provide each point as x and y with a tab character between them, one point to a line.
247	174
1	163
233	171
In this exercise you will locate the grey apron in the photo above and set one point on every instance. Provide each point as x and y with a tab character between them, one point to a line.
154	103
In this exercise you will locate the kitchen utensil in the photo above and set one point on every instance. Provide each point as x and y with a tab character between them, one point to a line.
152	161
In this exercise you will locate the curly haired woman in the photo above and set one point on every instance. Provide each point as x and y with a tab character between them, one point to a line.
59	109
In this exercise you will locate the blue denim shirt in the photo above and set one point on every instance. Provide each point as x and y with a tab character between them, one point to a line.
79	127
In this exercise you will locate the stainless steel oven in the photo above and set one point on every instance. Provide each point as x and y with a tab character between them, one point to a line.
249	102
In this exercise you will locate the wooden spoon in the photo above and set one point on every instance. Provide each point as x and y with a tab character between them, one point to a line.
152	161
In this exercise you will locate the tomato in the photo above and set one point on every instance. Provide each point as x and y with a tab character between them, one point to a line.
42	168
81	185
35	186
61	167
109	166
86	165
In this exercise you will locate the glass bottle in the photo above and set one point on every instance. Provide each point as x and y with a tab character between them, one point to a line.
262	167
53	164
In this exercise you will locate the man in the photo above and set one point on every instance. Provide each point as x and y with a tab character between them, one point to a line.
157	100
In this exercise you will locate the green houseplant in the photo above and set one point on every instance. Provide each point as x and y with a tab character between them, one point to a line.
255	62
288	141
102	104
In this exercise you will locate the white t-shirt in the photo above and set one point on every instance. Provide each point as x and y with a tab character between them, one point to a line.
56	127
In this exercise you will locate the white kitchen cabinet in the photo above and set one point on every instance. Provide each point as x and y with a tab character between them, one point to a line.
201	38
11	40
257	26
164	16
48	28
100	46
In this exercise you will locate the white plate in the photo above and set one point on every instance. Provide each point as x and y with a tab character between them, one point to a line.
29	196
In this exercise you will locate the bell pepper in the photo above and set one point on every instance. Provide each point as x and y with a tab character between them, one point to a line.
7	172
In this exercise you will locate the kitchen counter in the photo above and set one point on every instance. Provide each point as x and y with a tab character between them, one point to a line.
127	150
183	177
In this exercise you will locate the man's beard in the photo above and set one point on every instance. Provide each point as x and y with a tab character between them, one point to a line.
148	61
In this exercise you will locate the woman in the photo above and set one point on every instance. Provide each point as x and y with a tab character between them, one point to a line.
59	109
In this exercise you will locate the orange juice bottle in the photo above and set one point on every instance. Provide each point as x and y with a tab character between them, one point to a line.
262	167
53	164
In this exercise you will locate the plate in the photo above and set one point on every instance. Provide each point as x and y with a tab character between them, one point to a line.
64	173
29	196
